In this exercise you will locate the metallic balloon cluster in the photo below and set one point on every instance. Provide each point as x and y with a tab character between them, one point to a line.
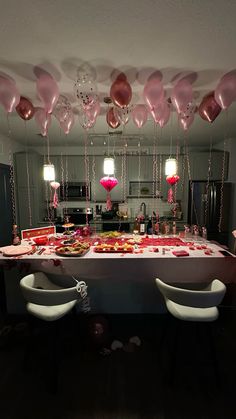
119	113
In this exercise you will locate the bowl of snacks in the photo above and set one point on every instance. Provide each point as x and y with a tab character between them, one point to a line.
41	241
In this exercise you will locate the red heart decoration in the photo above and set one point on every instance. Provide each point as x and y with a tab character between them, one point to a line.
172	179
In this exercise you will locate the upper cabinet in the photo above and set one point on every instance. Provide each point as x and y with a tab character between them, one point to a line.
146	168
199	165
72	167
29	188
28	168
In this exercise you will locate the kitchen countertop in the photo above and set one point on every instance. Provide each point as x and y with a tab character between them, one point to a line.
189	266
122	282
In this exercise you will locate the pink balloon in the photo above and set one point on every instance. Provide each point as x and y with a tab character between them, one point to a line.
122	114
153	93
48	92
165	115
93	112
68	123
161	113
186	121
225	92
85	121
182	95
43	120
9	95
140	115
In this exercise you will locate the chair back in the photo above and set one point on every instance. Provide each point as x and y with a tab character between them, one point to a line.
210	296
38	289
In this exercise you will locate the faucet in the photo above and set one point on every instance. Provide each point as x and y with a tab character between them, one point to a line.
143	209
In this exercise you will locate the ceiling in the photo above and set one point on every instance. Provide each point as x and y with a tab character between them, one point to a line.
176	38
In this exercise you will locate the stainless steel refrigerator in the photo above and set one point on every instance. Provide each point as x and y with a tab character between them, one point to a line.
204	208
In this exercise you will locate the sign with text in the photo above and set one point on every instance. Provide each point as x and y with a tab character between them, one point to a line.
37	232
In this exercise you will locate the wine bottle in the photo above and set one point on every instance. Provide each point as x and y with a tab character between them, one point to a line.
136	228
142	227
149	225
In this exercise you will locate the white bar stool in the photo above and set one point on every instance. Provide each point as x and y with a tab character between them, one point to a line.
47	302
197	306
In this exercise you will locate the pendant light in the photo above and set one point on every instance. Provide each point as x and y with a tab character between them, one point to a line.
170	167
49	172
108	166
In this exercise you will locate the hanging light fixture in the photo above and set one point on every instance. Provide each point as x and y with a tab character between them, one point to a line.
49	172
171	167
108	166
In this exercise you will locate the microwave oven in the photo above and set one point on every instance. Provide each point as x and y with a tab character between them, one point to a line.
75	191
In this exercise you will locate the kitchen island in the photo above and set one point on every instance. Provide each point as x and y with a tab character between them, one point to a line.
124	282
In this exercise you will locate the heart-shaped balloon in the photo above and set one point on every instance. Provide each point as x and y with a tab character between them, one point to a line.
172	179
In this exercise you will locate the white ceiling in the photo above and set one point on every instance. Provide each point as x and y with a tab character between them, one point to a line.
196	37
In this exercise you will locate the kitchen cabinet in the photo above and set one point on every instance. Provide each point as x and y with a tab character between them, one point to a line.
199	163
34	166
74	167
23	207
35	190
146	168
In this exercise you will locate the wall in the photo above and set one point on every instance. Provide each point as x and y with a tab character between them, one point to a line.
7	145
157	205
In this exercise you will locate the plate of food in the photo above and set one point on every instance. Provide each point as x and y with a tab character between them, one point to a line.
135	240
110	234
78	249
114	248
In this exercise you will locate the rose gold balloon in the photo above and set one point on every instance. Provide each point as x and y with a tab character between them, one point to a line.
111	119
121	93
209	109
25	109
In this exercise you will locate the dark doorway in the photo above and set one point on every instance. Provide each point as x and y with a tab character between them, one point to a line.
5	206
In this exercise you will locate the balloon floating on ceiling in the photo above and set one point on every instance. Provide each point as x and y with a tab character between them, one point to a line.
112	119
121	95
209	109
48	91
121	92
9	95
25	109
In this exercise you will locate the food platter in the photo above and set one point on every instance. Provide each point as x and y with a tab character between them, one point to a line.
116	248
110	234
76	250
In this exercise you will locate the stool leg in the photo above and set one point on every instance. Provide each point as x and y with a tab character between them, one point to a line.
212	348
174	353
29	346
53	356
